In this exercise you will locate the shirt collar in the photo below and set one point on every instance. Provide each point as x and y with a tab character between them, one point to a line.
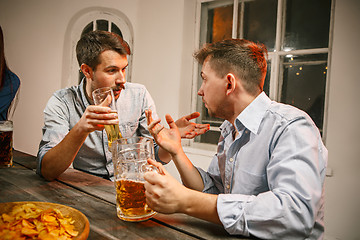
83	95
253	114
226	127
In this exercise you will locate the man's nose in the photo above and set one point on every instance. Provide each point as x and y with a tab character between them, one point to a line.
120	78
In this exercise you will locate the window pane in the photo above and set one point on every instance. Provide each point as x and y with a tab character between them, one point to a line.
88	28
210	136
216	25
266	87
260	22
307	24
219	23
304	80
116	30
102	25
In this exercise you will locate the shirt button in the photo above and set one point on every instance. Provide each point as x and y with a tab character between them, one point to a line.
228	186
231	159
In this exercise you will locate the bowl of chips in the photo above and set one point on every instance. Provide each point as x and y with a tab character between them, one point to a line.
42	220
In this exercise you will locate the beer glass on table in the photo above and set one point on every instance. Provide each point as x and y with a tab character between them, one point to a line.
6	144
129	156
99	96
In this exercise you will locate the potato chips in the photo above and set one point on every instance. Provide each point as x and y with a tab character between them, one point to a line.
30	222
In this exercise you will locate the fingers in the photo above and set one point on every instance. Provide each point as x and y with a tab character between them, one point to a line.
197	129
154	178
95	117
170	121
151	177
106	102
155	127
99	109
148	114
192	116
100	113
153	162
202	126
159	166
191	135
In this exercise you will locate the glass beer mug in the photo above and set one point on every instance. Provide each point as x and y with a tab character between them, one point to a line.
6	144
129	156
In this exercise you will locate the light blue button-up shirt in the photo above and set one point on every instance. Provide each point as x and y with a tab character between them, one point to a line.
270	178
65	108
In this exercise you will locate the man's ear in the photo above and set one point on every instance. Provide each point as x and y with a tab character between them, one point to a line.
231	83
87	70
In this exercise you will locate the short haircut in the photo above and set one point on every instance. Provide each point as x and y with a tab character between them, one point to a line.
92	44
244	58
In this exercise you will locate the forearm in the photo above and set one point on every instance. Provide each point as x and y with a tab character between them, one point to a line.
164	155
201	205
60	157
190	176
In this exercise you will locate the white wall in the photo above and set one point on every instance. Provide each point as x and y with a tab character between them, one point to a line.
342	212
157	52
163	43
34	36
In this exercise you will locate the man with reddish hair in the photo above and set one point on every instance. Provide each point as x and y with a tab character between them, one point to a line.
266	179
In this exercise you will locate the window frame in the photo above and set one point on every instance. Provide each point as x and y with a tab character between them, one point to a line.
274	57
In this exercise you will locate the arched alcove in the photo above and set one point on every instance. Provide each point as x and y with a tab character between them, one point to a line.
81	21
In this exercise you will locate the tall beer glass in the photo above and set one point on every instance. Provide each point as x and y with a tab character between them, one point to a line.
6	144
99	95
129	156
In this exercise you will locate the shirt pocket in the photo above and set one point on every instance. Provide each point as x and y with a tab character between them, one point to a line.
249	183
128	129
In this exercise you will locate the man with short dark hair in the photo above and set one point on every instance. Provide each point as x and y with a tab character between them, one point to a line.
266	179
73	132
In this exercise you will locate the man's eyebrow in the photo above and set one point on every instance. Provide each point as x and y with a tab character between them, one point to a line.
112	66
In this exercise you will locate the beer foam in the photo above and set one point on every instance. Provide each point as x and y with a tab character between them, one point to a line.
4	128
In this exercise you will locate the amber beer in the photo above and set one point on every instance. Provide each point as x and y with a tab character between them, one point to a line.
99	96
6	144
131	200
129	156
113	133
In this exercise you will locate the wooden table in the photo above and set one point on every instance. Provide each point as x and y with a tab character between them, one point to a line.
95	197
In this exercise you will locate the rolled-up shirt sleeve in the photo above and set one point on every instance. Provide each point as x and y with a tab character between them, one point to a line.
56	126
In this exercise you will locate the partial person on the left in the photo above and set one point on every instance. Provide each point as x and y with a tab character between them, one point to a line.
9	85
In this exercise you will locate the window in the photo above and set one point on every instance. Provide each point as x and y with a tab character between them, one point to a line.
296	33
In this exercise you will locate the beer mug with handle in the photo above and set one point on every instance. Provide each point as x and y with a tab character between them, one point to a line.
129	156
